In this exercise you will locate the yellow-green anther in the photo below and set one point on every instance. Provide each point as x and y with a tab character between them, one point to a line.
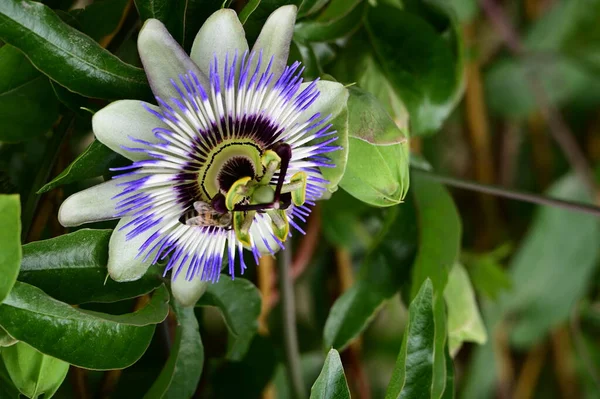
280	223
297	187
242	221
237	192
271	161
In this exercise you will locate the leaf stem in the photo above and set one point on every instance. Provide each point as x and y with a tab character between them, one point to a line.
508	193
288	316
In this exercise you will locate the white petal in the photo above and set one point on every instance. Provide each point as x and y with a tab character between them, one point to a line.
187	292
115	123
275	38
124	264
91	205
164	59
221	34
332	99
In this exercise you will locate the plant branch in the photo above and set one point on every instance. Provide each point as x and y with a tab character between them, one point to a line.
288	316
508	193
558	128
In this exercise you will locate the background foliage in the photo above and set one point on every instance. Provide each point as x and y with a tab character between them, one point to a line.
448	294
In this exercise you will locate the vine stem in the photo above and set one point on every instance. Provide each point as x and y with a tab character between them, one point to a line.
507	193
288	316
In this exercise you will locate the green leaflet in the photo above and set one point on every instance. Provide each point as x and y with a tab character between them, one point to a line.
464	320
57	329
181	374
239	301
66	55
72	268
375	144
331	383
10	242
33	373
28	107
94	161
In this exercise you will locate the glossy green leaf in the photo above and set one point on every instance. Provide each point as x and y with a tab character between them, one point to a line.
181	374
341	18
331	383
33	373
239	301
27	104
377	145
101	20
10	242
384	271
559	254
93	162
437	218
309	7
413	374
464	320
72	268
80	105
169	12
66	55
424	69
248	10
356	63
84	338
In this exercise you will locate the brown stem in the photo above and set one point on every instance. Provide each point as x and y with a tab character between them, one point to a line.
479	137
351	357
562	349
530	372
266	284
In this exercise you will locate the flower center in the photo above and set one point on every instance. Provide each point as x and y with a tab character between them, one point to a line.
233	170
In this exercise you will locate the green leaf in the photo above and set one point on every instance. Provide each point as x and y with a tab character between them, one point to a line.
464	320
93	162
72	268
66	55
486	272
385	269
169	12
508	89
27	104
102	19
33	373
375	144
331	383
240	303
339	19
248	10
10	242
413	375
424	68
440	232
181	374
357	63
309	7
559	254
84	338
